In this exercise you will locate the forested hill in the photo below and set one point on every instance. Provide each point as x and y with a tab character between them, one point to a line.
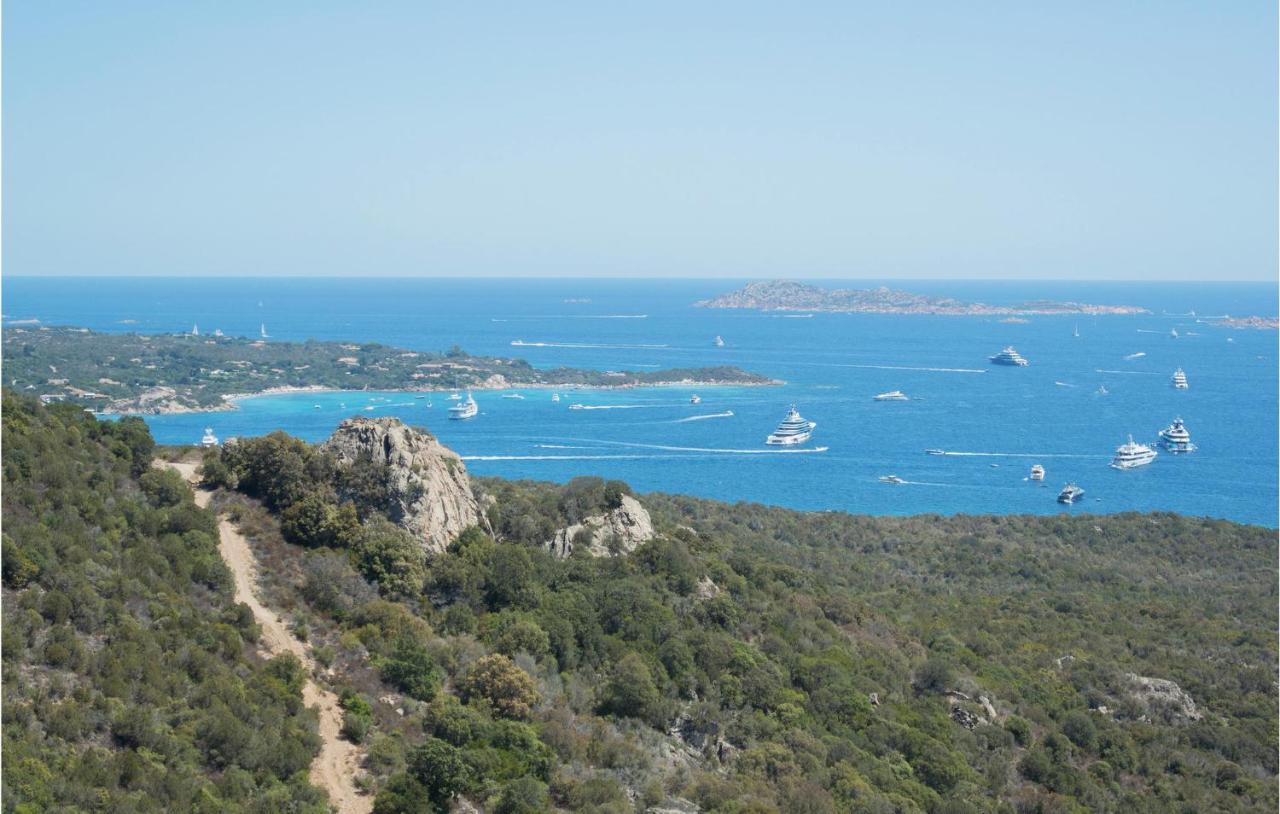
128	680
149	373
744	659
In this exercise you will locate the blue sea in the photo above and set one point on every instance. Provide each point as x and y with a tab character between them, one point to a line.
994	422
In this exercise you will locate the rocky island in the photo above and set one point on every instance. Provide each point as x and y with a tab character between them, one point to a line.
1256	323
789	295
171	373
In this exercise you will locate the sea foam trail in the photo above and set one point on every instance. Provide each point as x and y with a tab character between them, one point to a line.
1019	455
615	406
896	367
725	414
1128	372
1064	384
715	450
518	343
568	457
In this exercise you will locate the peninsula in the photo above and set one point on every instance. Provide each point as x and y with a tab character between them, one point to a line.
789	295
171	373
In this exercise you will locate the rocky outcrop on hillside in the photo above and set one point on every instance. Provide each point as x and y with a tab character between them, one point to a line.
434	498
619	531
1162	698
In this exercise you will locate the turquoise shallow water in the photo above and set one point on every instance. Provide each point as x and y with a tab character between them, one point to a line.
995	421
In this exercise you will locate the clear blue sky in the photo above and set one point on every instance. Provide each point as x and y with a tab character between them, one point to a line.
1063	140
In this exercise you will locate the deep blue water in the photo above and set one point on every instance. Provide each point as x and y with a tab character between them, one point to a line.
1048	413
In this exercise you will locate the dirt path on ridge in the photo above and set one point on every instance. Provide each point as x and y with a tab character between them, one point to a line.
335	768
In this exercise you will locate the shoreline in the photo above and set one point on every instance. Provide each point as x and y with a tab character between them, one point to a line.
230	400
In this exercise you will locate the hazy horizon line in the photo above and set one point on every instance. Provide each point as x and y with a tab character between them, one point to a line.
669	278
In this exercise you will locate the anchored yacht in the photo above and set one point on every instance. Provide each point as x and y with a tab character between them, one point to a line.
719	341
1179	380
208	439
892	395
1009	356
465	409
1037	472
794	429
1070	493
1176	439
555	396
1132	455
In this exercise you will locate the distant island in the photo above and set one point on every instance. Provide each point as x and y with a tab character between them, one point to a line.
1257	323
174	373
789	295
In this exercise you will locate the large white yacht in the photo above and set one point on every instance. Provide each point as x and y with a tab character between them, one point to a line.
1179	380
1176	439
1037	472
208	439
1131	455
794	429
467	408
1009	356
892	395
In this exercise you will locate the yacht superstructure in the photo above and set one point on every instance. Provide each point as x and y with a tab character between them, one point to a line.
1176	439
1132	455
1070	494
467	408
794	429
1009	356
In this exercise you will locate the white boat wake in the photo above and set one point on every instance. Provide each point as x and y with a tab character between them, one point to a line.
520	343
922	369
725	414
1019	455
614	406
1128	372
1137	355
1065	384
567	457
716	450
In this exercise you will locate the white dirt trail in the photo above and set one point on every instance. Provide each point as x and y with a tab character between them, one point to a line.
335	768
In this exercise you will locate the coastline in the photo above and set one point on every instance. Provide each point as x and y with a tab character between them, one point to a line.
231	400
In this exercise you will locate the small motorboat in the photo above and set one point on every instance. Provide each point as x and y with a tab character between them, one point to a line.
935	451
513	396
1037	472
891	479
695	399
892	395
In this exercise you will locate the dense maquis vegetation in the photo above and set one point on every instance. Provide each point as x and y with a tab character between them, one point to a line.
149	373
756	659
128	680
747	659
